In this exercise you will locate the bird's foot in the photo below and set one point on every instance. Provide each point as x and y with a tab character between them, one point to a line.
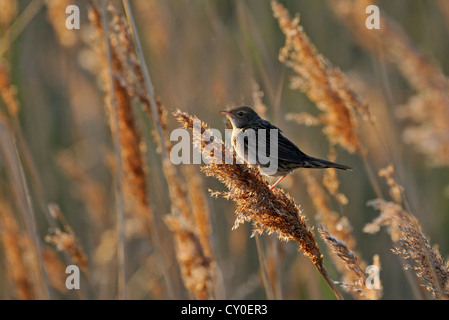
276	183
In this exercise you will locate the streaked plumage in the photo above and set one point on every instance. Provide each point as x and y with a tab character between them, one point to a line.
289	156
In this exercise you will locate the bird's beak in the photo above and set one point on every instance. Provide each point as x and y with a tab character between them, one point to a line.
226	113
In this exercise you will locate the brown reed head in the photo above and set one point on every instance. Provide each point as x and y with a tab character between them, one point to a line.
269	211
323	83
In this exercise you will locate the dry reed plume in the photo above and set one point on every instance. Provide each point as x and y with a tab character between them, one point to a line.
132	147
189	222
17	256
428	264
355	277
410	242
118	63
200	208
65	240
55	270
324	84
188	225
337	233
329	89
195	266
339	226
97	143
428	110
392	212
269	211
192	243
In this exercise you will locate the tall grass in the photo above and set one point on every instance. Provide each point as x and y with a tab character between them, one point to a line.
86	176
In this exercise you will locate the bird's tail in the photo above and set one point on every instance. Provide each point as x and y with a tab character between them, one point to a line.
312	163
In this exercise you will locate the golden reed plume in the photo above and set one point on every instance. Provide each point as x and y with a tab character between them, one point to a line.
269	211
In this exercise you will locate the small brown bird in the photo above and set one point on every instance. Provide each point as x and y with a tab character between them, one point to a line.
288	157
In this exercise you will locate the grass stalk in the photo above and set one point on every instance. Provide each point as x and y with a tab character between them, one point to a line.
120	207
23	199
269	211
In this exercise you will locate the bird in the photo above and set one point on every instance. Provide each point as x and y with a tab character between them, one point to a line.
289	157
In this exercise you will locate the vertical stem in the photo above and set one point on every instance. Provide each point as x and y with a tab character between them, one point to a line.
277	285
155	113
329	281
20	23
121	253
147	78
32	223
12	158
263	269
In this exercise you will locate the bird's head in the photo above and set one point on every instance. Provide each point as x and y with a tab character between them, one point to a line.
241	117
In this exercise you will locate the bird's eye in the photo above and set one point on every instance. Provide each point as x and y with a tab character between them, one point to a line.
240	113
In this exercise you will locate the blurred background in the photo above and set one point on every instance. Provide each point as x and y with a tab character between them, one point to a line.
203	56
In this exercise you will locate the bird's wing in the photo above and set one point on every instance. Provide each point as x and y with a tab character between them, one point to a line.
287	153
286	150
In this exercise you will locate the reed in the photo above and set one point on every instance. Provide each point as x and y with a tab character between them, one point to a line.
355	275
321	82
13	242
84	125
65	240
132	146
329	89
268	211
428	265
409	240
193	250
426	112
